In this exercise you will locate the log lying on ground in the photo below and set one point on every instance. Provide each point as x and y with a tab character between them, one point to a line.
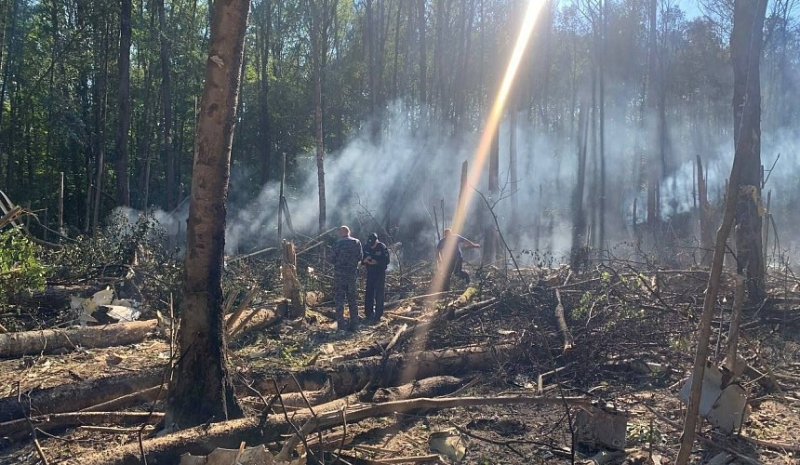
429	387
21	427
76	396
230	434
129	400
345	378
254	320
50	340
352	375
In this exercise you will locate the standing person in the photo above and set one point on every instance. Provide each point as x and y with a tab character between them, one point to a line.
376	259
449	254
347	254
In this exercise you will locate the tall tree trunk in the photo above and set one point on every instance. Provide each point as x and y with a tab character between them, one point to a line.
202	390
100	127
490	239
653	173
423	55
746	41
316	64
706	240
166	101
145	150
265	29
602	97
4	87
578	215
512	169
124	123
396	58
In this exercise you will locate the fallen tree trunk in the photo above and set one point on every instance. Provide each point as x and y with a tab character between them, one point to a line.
50	340
342	379
77	396
202	440
129	400
22	428
352	375
429	387
253	320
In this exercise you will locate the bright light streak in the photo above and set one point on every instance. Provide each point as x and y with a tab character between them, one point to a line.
492	124
482	152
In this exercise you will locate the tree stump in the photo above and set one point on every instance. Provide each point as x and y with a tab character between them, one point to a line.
291	285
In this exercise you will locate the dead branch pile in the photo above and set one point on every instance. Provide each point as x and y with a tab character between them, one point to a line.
552	337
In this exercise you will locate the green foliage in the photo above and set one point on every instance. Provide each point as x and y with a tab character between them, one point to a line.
643	433
113	252
20	268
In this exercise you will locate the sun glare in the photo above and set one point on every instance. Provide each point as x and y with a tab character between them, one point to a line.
481	153
492	123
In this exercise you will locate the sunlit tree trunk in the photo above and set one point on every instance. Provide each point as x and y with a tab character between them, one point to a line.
202	391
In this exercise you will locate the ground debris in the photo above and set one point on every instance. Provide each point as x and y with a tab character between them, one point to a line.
630	331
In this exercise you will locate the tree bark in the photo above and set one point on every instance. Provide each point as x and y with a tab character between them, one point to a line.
706	240
316	64
423	55
746	41
265	30
77	396
202	391
344	378
291	285
124	121
166	100
260	430
352	375
100	131
22	427
748	21
50	340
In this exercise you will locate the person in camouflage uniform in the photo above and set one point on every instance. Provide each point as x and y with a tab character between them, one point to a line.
347	254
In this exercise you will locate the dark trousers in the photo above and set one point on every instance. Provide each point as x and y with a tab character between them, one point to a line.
375	293
454	267
344	287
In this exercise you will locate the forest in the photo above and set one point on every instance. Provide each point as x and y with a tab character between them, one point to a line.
172	175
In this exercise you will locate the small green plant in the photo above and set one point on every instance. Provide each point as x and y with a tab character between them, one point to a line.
288	352
643	433
20	268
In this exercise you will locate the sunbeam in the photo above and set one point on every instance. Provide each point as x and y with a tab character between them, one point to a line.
484	145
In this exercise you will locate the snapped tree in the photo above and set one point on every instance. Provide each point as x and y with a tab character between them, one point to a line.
746	40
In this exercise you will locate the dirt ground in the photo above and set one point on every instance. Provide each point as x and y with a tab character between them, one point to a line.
633	347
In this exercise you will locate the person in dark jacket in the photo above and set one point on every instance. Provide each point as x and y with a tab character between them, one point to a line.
347	254
449	256
376	259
